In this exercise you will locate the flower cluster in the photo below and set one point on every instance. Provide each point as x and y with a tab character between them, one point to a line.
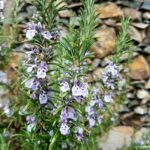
111	76
37	64
79	89
30	122
94	107
34	29
77	92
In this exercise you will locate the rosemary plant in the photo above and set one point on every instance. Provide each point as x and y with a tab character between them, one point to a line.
59	108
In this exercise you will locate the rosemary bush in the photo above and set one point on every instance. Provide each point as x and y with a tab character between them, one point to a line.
58	108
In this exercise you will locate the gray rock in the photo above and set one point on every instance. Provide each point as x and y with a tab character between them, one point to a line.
140	110
95	63
130	95
133	103
105	61
31	10
116	138
142	94
146	5
97	74
22	16
147	85
124	109
147	50
132	13
146	15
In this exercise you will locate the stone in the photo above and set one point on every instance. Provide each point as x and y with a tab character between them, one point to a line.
146	15
31	10
89	78
142	94
131	3
109	10
106	40
133	103
116	138
130	95
95	63
140	25
22	16
125	56
105	61
140	110
110	22
139	68
145	5
11	70
147	85
66	13
135	34
147	49
124	109
132	13
97	74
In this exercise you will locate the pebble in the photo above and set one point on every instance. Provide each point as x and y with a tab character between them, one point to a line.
140	110
116	138
147	85
97	74
95	63
142	94
31	10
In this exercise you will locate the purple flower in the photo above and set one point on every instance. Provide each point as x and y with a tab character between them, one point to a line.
30	69
46	35
41	72
89	110
107	98
78	98
39	27
79	89
30	119
31	31
79	133
64	86
91	122
32	84
64	129
111	75
67	113
43	97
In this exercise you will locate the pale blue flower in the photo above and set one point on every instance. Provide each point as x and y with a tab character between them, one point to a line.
108	98
64	129
79	133
43	97
41	72
67	113
79	89
46	35
64	86
31	31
